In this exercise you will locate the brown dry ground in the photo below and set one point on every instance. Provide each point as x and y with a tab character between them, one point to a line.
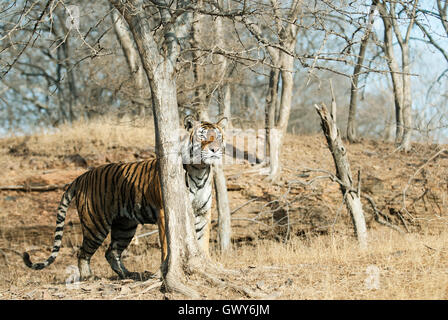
316	257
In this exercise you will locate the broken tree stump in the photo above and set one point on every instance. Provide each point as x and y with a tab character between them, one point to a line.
351	195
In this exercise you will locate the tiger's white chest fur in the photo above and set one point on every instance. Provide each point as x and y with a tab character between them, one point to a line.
198	179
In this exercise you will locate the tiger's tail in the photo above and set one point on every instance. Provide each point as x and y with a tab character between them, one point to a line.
60	221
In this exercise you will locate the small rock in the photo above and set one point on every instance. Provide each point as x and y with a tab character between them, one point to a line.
107	289
45	295
59	295
125	290
398	253
31	294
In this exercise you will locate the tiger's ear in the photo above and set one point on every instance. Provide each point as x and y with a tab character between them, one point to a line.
223	122
189	122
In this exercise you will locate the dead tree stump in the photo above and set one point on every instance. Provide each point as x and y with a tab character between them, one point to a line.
351	195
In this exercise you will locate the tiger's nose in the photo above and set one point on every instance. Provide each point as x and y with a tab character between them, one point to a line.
214	149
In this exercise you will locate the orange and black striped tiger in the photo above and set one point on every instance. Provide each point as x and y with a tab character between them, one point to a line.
117	197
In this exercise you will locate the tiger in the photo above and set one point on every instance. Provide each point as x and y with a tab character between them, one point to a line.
116	197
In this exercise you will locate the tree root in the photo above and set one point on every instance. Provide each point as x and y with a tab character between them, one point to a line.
176	286
173	284
207	270
216	268
229	284
212	273
156	284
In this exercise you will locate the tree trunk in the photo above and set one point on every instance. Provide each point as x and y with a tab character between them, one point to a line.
199	101
225	110
219	178
222	204
401	79
351	124
343	172
72	95
184	253
177	207
397	83
271	105
225	89
288	38
407	100
388	126
130	53
277	135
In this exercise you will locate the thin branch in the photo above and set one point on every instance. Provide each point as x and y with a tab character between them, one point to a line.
438	153
27	188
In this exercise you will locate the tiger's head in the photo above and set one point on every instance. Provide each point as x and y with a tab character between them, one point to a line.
205	144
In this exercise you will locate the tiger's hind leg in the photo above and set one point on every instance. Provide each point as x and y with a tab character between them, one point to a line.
123	230
88	248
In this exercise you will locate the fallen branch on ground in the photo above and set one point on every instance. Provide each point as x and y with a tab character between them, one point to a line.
157	284
27	188
379	214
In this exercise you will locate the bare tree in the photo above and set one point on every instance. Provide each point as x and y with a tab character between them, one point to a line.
200	87
224	90
401	76
160	70
351	195
222	204
132	57
351	124
282	57
219	178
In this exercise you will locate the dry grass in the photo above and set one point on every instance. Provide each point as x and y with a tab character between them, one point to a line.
98	135
333	267
311	265
324	267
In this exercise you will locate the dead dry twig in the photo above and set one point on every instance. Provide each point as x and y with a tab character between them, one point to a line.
403	208
28	188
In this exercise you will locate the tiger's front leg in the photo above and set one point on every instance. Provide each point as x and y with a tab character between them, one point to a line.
202	228
162	234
